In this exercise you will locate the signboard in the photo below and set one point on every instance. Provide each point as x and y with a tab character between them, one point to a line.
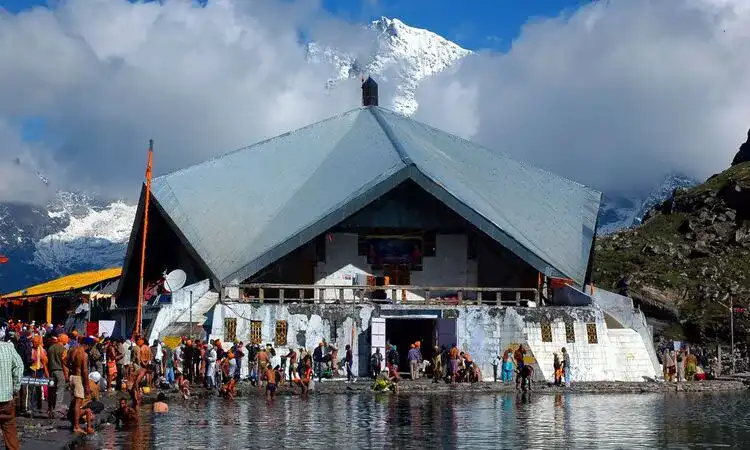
37	381
377	328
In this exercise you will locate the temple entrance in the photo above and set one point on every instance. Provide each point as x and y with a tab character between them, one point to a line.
404	332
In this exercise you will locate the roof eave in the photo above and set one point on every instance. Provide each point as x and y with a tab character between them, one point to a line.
361	201
486	226
312	231
188	246
133	237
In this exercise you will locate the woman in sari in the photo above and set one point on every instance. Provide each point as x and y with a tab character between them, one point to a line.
508	367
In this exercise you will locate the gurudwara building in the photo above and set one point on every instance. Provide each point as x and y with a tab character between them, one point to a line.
370	227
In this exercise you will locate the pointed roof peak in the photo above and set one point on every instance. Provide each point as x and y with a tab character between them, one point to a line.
295	186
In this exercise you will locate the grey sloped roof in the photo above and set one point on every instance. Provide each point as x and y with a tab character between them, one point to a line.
244	210
538	215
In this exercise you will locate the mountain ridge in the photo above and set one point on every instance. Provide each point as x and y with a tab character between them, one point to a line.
401	54
691	254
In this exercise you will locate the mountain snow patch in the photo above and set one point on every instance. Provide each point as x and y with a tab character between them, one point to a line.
400	54
93	235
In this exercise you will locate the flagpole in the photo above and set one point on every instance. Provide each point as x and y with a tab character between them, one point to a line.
139	313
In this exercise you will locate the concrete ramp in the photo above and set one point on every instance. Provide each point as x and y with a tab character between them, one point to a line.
179	310
634	360
201	307
621	313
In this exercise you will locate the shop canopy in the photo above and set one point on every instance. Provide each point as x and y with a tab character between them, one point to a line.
70	283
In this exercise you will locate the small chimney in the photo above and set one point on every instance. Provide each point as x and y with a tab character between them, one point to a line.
369	92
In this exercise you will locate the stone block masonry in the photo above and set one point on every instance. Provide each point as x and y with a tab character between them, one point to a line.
597	354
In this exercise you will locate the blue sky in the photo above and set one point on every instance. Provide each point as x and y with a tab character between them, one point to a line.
475	24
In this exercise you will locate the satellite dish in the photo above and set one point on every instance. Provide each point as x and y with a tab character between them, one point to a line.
174	280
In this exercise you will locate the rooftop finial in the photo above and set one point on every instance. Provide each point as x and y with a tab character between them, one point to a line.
369	92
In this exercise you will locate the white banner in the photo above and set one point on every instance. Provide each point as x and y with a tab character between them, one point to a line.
106	327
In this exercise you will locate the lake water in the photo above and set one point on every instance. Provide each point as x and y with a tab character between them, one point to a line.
573	421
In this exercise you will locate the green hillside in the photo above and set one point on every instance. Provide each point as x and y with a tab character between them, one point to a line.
691	252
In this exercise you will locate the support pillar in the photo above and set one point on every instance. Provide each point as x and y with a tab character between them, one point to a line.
49	309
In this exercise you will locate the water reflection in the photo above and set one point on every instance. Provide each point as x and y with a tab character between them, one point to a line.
443	421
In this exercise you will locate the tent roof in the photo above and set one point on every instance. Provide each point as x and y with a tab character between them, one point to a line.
246	209
74	282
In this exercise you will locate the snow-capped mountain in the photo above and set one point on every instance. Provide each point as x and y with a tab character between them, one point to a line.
672	182
74	232
624	211
78	232
617	212
400	56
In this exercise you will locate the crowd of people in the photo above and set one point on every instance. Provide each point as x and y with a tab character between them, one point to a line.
682	365
83	367
68	364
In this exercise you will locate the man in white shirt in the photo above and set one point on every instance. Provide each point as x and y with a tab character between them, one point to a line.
159	368
211	369
127	360
178	357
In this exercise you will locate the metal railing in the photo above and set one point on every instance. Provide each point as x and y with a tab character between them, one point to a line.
341	294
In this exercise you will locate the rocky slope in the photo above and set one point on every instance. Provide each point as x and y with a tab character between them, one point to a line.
620	211
691	254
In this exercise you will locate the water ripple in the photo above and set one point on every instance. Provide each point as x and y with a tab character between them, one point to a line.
458	421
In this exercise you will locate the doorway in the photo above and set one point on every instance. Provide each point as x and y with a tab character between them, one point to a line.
403	332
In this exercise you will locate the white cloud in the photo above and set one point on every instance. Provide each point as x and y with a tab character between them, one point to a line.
107	75
614	95
20	177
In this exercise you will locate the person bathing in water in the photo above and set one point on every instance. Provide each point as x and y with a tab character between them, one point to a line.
125	415
161	406
271	385
134	383
183	385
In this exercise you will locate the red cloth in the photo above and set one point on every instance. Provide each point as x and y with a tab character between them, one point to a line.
92	328
556	283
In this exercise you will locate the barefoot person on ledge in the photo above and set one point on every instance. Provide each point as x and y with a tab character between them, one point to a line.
79	374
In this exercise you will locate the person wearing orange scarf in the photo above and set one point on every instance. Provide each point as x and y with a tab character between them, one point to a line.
39	370
39	358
